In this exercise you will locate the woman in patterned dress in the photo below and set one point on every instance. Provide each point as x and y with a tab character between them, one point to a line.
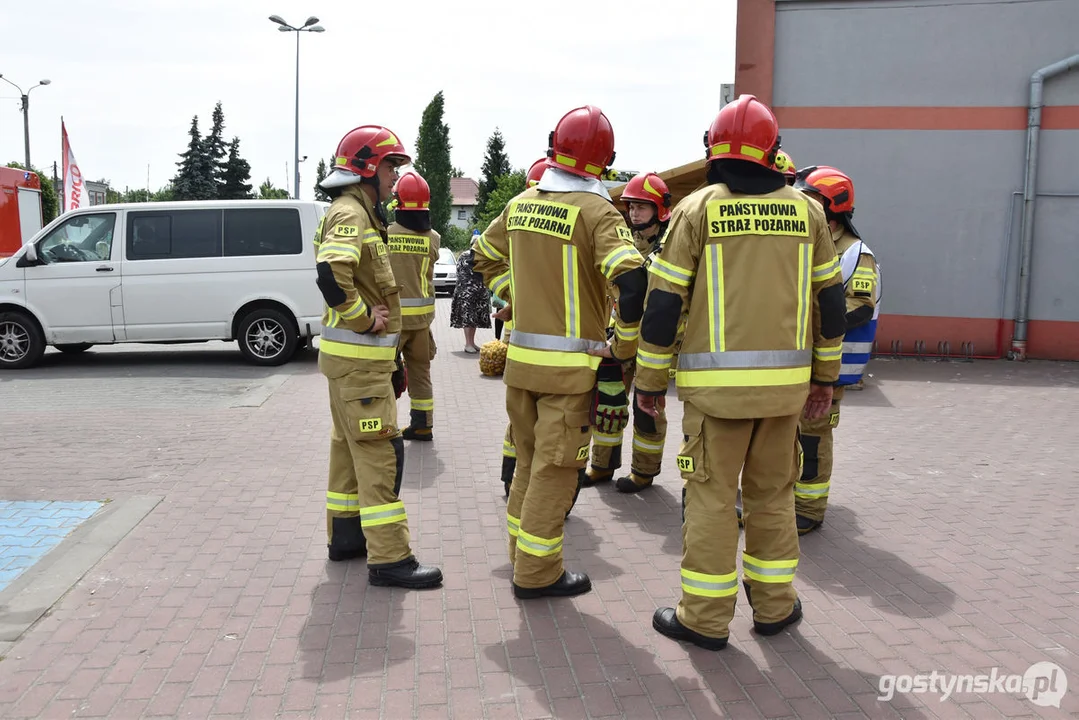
471	306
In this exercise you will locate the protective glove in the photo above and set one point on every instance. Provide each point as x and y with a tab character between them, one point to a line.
610	403
399	378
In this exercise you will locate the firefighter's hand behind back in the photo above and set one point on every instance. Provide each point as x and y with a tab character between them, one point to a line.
819	401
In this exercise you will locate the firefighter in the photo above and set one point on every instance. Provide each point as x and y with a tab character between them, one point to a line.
552	256
785	165
648	204
834	191
509	449
753	260
357	351
413	252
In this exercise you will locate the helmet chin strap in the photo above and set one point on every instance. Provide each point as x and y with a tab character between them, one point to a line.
380	210
641	227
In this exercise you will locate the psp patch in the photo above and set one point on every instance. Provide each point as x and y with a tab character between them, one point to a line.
582	453
370	425
686	464
346	231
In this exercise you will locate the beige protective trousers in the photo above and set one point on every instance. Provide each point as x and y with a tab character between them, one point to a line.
714	451
551	434
811	489
418	350
366	462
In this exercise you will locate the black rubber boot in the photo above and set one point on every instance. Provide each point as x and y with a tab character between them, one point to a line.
665	621
807	525
592	476
568	585
407	574
774	628
632	483
418	429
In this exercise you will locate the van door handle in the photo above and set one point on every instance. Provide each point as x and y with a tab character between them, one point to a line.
104	268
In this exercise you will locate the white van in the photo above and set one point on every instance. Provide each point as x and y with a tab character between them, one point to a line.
171	272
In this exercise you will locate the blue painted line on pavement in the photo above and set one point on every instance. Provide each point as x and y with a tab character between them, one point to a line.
29	529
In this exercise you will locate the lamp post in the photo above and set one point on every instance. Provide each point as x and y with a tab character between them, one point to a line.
25	97
309	26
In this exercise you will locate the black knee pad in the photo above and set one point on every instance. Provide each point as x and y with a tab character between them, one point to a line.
642	421
683	506
810	444
398	450
509	464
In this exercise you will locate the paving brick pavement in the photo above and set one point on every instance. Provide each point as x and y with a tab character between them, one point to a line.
949	546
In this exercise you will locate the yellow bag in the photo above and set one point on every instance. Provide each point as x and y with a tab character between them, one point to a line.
493	358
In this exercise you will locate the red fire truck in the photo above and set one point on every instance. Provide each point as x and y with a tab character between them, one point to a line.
20	208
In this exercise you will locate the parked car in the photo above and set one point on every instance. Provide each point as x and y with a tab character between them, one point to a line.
165	273
445	271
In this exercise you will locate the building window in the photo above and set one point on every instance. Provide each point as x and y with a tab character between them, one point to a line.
460	214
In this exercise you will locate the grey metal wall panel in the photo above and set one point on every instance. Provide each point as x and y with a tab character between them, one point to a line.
934	207
921	53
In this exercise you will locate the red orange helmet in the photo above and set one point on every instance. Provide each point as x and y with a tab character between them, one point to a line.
834	186
359	153
785	165
582	142
412	192
649	187
535	172
746	129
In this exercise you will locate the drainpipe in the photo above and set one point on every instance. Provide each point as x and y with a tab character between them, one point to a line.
1034	122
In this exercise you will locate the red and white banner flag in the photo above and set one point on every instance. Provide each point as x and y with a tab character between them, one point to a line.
73	185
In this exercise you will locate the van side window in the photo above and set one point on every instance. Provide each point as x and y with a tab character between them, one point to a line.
173	234
263	231
82	238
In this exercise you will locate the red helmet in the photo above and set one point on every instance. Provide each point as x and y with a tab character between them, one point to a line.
785	165
359	153
412	192
745	129
582	142
649	187
535	172
835	186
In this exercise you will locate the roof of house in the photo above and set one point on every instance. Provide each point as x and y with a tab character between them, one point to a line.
464	191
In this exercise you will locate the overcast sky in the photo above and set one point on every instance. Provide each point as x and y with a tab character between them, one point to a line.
127	75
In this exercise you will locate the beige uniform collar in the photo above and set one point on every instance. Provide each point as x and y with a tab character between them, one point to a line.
355	191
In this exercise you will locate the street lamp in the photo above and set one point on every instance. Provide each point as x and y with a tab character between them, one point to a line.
25	97
308	26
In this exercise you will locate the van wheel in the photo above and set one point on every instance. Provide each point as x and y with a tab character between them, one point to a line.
21	342
73	348
267	337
